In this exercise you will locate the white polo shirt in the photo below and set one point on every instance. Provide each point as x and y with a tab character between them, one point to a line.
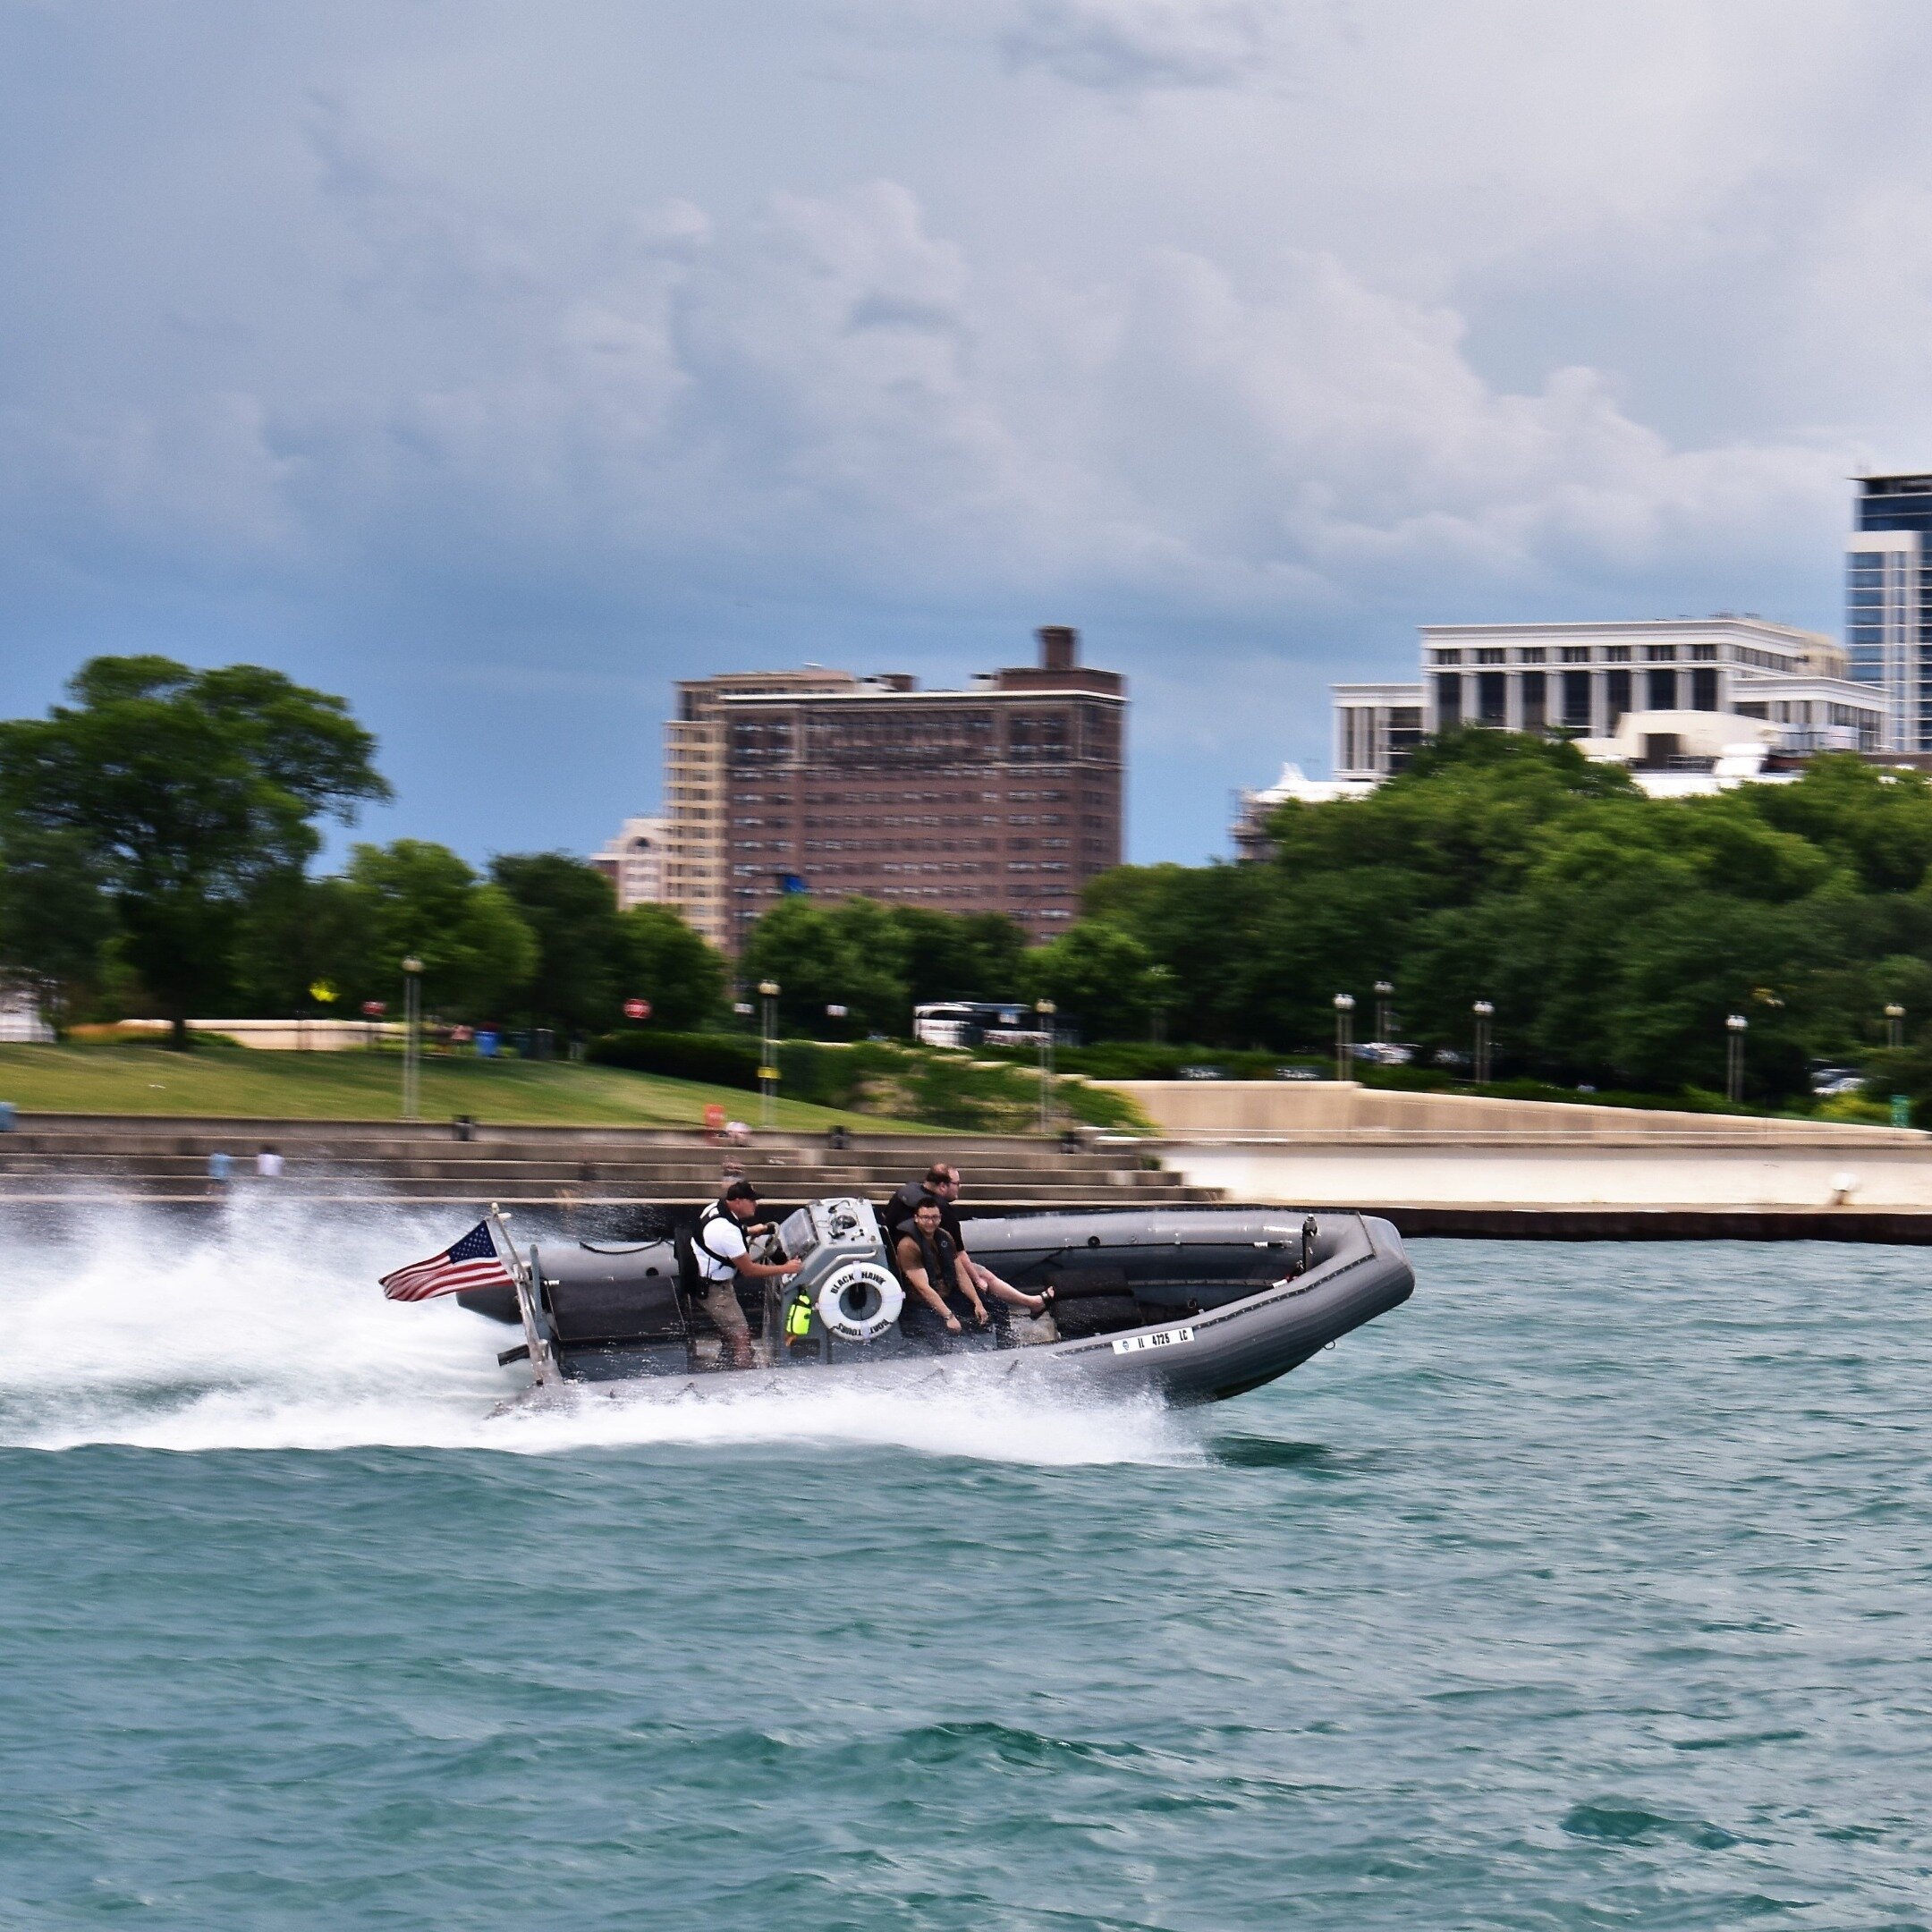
720	1234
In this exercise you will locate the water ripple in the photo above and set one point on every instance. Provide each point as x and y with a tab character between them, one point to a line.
1589	1591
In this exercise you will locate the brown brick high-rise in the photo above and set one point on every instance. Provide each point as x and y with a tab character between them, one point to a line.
1005	797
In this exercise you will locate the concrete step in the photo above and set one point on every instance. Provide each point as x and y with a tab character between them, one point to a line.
636	1177
101	1193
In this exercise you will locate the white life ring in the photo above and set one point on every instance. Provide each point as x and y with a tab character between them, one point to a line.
859	1302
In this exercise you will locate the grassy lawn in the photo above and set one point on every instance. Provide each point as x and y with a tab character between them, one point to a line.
118	1077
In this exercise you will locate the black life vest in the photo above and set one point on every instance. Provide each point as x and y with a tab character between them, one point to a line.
939	1259
715	1213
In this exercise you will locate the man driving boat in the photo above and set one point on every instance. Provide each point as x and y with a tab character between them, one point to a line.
721	1247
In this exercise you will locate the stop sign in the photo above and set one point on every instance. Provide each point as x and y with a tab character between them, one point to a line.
637	1009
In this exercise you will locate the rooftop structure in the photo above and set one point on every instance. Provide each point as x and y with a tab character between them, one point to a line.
634	862
1003	797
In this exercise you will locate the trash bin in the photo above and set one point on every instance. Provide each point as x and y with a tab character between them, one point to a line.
7	1121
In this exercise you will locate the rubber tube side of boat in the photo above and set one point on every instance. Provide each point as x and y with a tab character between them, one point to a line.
1363	1273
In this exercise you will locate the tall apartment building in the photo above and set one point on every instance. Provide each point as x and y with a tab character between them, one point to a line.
1004	797
1888	604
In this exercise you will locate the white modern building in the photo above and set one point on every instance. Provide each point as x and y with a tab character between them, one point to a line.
1587	679
1687	704
634	862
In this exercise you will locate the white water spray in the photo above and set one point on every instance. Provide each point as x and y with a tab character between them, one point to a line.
265	1329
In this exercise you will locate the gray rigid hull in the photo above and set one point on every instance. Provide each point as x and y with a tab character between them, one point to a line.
1232	1332
1202	1303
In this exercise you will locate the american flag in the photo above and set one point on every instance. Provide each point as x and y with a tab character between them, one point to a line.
469	1263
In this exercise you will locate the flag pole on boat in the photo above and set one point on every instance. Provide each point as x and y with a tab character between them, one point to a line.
541	1365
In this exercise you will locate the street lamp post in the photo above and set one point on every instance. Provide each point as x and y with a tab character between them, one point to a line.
1735	1027
411	1042
1160	983
1046	1010
1385	1023
767	1073
1894	1025
1344	1029
1485	1012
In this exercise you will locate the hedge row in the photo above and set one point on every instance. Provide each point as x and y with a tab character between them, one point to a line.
1131	1060
870	1077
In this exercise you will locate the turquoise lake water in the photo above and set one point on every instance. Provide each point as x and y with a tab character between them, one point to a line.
1588	1590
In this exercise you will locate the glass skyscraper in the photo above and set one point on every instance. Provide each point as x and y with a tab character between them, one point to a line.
1888	604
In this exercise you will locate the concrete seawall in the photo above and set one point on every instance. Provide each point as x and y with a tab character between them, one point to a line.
1328	1143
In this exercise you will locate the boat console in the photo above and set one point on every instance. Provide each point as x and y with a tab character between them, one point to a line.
845	1299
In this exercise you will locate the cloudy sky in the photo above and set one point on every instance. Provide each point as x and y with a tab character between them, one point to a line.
495	363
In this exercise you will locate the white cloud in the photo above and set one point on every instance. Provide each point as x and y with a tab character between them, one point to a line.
1141	44
1271	330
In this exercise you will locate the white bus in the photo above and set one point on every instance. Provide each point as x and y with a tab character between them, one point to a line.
990	1022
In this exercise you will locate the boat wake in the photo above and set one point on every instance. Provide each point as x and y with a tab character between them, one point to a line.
264	1329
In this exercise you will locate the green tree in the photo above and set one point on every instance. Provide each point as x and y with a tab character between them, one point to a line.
850	952
186	788
294	934
1098	974
679	972
419	899
955	956
581	948
55	917
1612	932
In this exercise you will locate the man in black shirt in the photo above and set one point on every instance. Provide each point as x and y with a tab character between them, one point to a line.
942	1183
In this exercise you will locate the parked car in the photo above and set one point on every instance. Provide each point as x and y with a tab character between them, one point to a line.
1826	1081
1300	1072
1385	1052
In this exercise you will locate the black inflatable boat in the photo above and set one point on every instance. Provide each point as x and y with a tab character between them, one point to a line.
1201	1303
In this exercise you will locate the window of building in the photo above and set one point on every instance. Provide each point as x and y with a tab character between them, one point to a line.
1534	687
1616	653
1617	690
1575	654
1703	654
1445	656
1704	688
1660	653
1448	701
1532	653
1576	697
1660	691
1404	735
1492	657
1492	698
